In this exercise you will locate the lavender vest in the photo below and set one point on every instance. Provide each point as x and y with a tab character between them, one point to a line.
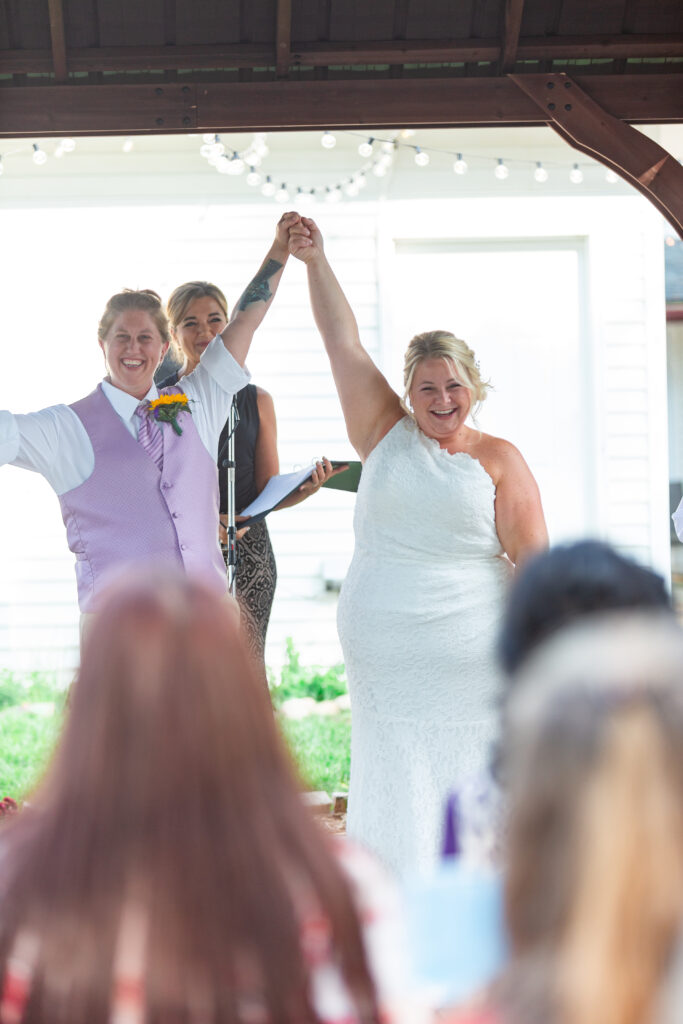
129	512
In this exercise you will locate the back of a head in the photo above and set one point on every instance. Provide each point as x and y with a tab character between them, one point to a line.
171	790
593	765
567	582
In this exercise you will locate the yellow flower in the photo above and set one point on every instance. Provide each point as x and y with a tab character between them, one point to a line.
180	399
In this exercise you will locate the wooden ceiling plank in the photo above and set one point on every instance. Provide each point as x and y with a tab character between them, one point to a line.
344	104
591	129
514	10
248	55
58	40
283	38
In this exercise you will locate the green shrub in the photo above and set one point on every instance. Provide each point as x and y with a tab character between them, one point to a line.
297	680
321	749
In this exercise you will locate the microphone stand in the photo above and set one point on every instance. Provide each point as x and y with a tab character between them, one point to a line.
230	549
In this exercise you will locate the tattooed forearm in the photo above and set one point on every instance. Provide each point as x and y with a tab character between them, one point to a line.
258	290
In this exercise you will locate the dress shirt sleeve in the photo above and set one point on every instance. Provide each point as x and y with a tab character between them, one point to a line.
211	387
9	437
678	521
52	442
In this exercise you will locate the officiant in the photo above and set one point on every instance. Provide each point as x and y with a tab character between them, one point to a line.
135	468
197	311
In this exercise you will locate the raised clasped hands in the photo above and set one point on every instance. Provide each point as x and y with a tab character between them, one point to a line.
286	222
305	240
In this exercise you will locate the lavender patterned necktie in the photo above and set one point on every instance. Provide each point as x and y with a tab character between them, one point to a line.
149	434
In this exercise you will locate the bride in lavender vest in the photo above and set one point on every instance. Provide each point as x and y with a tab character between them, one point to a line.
135	468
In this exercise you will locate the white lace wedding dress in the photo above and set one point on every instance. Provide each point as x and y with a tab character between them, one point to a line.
418	619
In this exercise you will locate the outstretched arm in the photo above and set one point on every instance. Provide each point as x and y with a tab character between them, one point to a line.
255	300
370	406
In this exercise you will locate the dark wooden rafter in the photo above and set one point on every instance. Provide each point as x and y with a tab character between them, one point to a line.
58	40
588	127
513	24
252	55
283	37
272	106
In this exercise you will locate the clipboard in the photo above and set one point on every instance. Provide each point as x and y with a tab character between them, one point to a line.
347	481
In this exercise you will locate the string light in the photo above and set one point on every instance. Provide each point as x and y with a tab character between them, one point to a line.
235	164
328	141
540	174
576	175
39	155
365	149
253	177
501	171
611	177
128	144
379	169
421	158
282	195
268	187
460	167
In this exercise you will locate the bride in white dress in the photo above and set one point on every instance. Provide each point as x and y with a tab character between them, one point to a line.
444	512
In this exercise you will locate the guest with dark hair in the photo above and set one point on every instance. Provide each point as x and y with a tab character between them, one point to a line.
167	869
567	582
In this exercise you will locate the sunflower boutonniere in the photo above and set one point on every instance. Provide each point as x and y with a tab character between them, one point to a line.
166	408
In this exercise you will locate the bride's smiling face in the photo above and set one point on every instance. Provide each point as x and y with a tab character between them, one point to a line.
440	400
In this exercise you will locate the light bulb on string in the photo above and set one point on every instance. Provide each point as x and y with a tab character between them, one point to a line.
540	174
611	177
128	144
365	149
501	171
334	195
208	137
259	144
407	133
352	188
221	163
328	140
576	175
388	148
460	166
253	177
361	180
68	145
235	164
59	152
379	169
39	155
268	187
421	158
251	157
282	195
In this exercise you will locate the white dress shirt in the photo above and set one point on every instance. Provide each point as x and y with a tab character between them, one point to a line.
54	442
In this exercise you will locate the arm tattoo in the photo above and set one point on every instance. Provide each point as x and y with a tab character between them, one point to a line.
258	290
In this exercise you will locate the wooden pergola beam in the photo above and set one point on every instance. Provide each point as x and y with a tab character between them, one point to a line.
273	106
255	55
58	40
513	24
283	38
588	127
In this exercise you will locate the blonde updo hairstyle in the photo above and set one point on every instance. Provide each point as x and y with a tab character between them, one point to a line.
181	298
145	300
444	345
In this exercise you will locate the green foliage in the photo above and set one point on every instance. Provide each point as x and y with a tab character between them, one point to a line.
28	729
297	680
321	749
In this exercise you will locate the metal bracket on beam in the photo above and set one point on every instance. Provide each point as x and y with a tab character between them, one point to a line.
586	126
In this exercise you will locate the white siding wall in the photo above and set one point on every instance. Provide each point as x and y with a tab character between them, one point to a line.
618	463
